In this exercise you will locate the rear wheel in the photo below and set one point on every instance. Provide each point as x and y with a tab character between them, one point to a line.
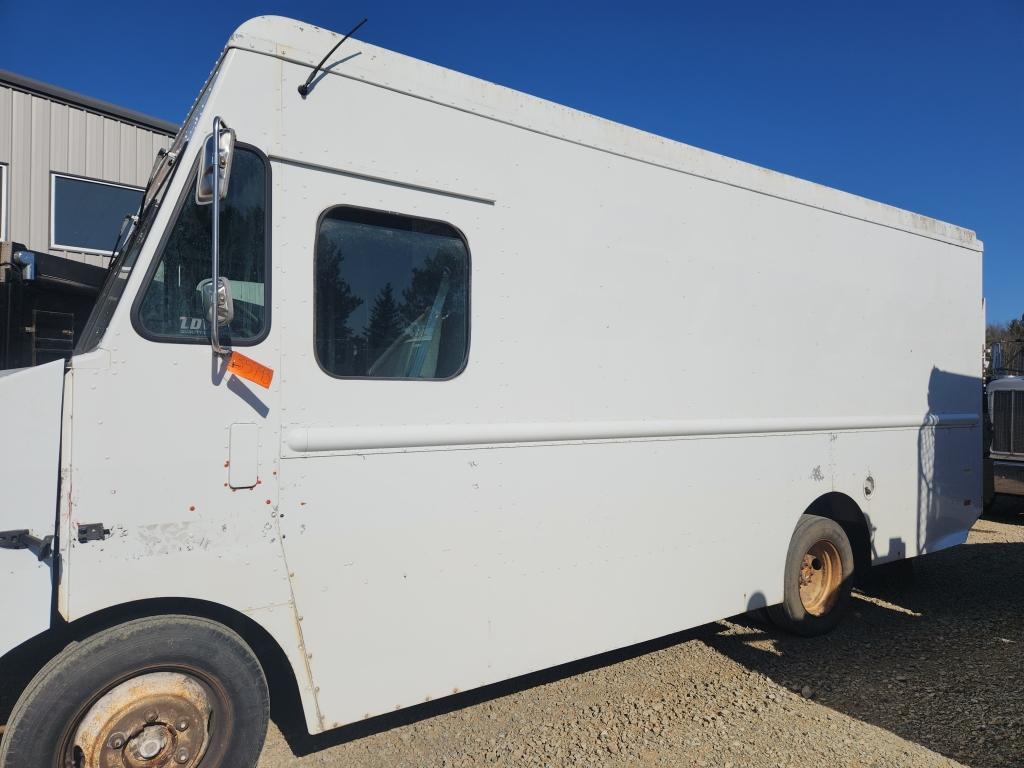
161	692
818	578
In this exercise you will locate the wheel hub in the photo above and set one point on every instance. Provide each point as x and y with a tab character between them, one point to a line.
821	576
150	743
156	720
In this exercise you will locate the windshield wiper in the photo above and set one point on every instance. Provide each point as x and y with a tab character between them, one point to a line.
132	221
163	156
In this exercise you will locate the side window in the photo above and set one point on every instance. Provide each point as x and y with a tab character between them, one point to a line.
85	215
172	305
391	296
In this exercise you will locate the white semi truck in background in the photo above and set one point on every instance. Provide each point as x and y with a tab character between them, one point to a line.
402	378
1004	400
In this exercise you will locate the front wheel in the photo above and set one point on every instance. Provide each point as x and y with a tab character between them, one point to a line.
818	578
159	692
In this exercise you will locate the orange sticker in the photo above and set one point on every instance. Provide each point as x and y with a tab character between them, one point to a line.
247	368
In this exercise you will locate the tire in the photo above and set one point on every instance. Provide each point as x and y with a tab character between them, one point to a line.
174	684
821	556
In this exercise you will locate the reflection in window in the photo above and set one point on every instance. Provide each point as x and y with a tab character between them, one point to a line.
391	296
87	215
173	303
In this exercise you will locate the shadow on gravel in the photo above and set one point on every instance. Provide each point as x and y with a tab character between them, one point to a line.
935	656
1005	509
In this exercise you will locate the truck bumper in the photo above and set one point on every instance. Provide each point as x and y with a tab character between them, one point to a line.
1008	477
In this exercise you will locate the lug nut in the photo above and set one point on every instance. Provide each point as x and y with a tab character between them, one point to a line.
151	715
182	724
182	755
116	740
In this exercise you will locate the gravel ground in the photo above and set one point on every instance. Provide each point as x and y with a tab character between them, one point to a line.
928	671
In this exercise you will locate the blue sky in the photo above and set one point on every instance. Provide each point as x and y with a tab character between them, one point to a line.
917	103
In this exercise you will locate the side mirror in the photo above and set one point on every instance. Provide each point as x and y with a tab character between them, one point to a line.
218	158
213	178
225	306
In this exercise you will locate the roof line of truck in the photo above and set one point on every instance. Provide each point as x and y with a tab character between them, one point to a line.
294	41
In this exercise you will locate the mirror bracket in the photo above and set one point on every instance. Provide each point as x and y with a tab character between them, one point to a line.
212	187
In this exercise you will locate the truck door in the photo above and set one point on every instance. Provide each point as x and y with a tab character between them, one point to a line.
30	401
174	455
377	330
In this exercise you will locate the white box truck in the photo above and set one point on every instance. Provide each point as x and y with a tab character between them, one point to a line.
456	375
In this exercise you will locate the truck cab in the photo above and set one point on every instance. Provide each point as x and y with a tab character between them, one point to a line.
1005	401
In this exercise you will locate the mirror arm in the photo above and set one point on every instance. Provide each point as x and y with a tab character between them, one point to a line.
215	324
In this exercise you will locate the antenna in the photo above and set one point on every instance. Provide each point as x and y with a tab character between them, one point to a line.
304	88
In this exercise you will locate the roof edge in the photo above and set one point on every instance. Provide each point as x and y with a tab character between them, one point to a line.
304	43
31	85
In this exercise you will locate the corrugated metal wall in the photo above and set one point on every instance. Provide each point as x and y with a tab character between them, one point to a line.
39	135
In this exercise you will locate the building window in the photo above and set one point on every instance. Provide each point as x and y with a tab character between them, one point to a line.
3	202
86	215
391	296
171	308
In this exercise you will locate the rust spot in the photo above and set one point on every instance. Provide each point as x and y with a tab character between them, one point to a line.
268	501
302	503
455	690
275	471
192	508
225	484
227	463
258	481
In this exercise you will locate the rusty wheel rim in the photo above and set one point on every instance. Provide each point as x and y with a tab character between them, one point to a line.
154	720
821	576
210	704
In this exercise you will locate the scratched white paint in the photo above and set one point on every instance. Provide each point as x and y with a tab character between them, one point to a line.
673	354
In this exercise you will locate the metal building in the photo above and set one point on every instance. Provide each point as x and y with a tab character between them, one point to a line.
59	148
71	168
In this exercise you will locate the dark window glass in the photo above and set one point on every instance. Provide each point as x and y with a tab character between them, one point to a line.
3	201
173	304
391	296
88	214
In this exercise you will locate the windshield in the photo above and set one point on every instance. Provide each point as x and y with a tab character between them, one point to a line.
123	263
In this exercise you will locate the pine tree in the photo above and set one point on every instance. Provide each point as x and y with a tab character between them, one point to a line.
336	343
385	323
